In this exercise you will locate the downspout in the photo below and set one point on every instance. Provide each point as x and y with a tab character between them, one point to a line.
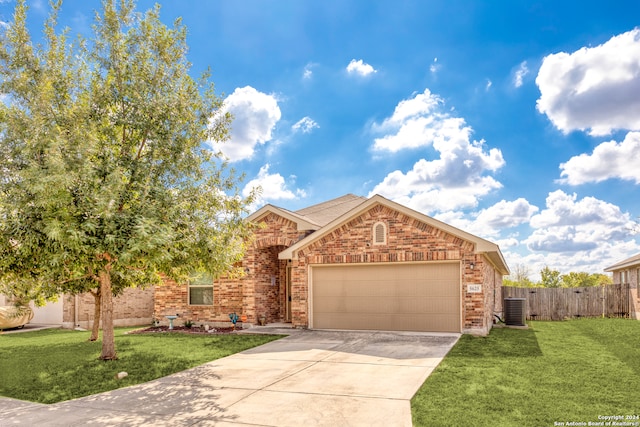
75	312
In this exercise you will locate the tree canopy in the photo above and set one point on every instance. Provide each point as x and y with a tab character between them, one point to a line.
106	181
550	278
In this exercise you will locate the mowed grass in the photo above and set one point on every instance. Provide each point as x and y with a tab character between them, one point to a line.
554	372
55	365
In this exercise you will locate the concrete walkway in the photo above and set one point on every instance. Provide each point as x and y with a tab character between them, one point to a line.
310	378
30	327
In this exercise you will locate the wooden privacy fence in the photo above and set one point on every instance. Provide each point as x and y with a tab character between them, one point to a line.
561	303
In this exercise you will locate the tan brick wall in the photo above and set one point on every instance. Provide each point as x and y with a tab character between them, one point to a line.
262	290
633	279
133	307
173	299
264	285
408	239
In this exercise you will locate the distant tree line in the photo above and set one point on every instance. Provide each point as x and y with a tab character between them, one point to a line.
554	279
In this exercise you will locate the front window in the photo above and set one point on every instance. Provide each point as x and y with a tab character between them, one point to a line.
201	290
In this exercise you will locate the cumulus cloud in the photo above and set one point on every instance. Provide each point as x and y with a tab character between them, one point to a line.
255	115
593	88
273	186
456	179
571	225
522	71
360	68
305	125
492	222
506	214
609	160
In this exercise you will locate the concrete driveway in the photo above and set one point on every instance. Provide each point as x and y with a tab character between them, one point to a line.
310	378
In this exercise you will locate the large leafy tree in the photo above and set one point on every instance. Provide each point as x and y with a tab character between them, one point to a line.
104	182
550	278
519	277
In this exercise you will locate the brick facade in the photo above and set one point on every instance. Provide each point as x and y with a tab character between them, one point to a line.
131	308
630	275
263	289
408	240
261	292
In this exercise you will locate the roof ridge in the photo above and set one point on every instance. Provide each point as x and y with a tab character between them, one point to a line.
332	202
296	214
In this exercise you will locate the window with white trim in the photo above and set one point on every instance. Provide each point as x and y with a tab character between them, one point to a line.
379	233
201	290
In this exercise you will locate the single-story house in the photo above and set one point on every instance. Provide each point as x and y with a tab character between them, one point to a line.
628	272
352	263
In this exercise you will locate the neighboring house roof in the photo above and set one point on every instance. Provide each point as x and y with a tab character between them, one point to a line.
350	206
629	262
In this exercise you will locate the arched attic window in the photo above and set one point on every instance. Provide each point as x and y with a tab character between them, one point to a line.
379	233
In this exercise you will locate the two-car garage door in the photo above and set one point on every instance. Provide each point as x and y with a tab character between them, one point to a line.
392	297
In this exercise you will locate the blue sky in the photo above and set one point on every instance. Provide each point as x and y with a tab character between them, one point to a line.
517	121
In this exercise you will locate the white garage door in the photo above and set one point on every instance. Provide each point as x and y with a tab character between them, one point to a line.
391	297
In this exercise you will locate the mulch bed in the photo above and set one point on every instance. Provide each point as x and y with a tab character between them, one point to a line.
196	330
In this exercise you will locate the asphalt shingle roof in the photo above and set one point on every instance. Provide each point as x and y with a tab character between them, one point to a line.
325	212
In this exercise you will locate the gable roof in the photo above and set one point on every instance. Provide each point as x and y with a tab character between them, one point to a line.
629	262
482	246
324	213
302	222
313	217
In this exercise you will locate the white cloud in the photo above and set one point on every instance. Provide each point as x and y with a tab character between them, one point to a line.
573	234
255	115
305	125
454	180
593	88
571	225
488	85
434	66
422	105
609	160
273	187
509	242
307	73
520	73
428	189
591	261
493	221
564	209
505	214
360	68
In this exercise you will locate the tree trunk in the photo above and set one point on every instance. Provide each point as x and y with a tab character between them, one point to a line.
108	337
96	315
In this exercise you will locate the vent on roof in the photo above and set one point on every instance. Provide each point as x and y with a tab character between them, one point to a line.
379	233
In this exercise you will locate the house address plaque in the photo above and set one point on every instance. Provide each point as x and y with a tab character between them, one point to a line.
474	288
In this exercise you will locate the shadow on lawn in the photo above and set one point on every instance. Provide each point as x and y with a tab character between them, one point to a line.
500	343
185	398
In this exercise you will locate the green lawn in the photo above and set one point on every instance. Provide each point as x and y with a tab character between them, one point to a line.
554	372
55	365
